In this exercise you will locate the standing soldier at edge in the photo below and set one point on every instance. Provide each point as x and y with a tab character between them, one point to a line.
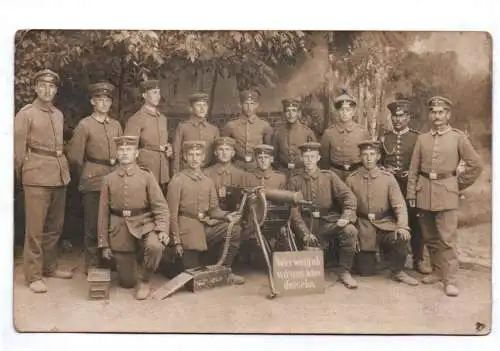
43	170
248	130
195	128
434	188
92	152
151	127
339	143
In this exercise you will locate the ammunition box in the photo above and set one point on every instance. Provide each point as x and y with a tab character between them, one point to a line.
99	283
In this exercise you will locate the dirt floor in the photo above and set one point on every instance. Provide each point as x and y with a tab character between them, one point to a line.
378	306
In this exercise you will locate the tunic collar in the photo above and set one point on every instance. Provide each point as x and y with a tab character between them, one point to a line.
43	106
402	132
224	168
100	119
264	174
312	175
129	171
373	173
252	119
196	121
345	127
194	175
440	132
150	112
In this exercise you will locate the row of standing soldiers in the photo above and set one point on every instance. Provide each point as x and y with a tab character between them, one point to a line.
360	190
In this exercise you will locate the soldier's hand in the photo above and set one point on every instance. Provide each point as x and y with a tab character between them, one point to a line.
342	222
404	234
179	250
168	150
412	203
164	238
311	240
233	217
107	253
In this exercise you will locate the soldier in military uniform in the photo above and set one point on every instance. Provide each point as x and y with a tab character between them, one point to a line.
290	136
197	222
339	143
152	128
382	214
92	152
265	175
133	218
434	188
42	169
397	147
323	218
248	130
195	128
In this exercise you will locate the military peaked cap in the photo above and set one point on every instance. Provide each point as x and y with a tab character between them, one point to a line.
198	97
46	75
101	88
149	84
193	144
224	141
369	144
126	140
343	98
310	146
439	101
264	149
249	95
401	105
290	102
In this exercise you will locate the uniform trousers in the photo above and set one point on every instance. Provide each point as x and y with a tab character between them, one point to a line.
44	211
149	252
91	211
345	236
439	231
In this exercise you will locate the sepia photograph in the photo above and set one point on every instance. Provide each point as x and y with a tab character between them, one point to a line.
252	181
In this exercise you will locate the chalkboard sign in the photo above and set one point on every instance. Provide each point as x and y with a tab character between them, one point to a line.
299	272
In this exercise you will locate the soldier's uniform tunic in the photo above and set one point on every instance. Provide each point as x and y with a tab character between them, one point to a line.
227	178
433	182
192	197
92	152
327	192
396	151
132	210
43	169
194	129
269	178
381	211
286	142
151	128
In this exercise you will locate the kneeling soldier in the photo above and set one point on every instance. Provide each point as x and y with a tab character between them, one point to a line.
133	218
198	223
382	213
324	188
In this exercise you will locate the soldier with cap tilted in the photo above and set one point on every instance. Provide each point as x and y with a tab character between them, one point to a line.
195	128
290	136
198	223
42	169
323	218
339	143
92	152
434	188
381	210
248	130
133	218
396	148
151	127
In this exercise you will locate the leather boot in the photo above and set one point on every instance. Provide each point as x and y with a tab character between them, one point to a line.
431	279
142	290
451	290
402	277
60	274
38	287
346	278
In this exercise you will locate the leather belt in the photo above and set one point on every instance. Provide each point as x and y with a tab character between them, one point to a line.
110	162
128	213
36	150
376	216
157	148
199	216
435	175
346	166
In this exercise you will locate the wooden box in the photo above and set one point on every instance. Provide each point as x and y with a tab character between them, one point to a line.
99	283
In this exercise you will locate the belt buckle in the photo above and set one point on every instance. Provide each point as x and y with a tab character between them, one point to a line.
201	215
112	161
347	166
59	153
162	148
222	191
433	175
291	165
316	214
248	158
371	217
126	213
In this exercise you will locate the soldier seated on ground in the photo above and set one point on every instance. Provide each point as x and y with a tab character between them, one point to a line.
133	218
198	224
382	212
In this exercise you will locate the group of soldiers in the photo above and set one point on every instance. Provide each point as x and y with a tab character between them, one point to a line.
367	196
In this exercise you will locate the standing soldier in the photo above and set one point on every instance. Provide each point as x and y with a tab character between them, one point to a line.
226	176
264	174
324	188
92	152
151	127
290	136
195	128
339	143
133	217
382	215
248	130
397	147
197	222
43	171
433	187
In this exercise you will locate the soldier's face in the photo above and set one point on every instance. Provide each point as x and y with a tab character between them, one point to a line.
126	154
439	116
200	109
249	107
194	158
45	91
101	103
264	161
152	97
400	120
224	153
346	113
369	158
310	159
292	114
